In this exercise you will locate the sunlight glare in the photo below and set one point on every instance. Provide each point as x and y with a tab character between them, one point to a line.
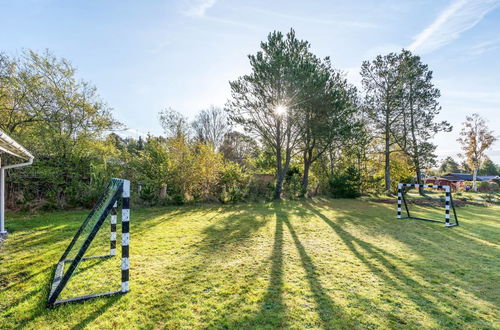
280	110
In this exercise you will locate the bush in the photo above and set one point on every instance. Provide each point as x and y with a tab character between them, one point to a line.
233	183
261	186
494	187
483	186
346	184
292	185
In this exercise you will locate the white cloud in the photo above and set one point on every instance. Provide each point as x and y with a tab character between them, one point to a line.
198	7
315	20
458	17
485	46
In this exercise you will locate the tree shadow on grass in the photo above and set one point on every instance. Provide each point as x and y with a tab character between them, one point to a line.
110	301
330	314
273	310
451	254
235	226
367	253
215	237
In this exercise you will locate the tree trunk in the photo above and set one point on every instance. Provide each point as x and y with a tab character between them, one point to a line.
418	171
279	185
474	178
416	153
305	179
387	162
305	176
279	175
279	165
163	191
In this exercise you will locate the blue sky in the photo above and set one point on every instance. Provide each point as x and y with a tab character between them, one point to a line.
147	55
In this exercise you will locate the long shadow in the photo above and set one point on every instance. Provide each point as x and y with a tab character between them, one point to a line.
326	308
95	314
229	229
23	277
466	248
148	219
235	227
401	282
272	302
272	310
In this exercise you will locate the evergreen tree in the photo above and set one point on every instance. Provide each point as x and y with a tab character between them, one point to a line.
380	80
420	106
265	101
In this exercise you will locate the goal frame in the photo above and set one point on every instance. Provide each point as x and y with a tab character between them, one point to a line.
60	279
448	202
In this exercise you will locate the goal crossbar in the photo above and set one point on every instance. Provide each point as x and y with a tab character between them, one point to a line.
448	203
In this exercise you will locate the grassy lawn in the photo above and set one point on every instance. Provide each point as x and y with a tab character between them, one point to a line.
297	264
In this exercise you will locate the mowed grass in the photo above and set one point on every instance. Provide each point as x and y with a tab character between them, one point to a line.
317	263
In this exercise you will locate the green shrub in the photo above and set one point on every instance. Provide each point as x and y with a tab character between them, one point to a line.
292	184
483	186
233	183
346	184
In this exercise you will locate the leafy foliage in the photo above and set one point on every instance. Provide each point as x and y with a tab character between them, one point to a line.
475	138
449	165
346	184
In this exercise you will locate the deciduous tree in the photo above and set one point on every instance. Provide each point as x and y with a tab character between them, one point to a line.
174	124
475	138
449	165
210	126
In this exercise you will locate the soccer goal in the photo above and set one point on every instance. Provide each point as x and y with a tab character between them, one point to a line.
89	267
447	203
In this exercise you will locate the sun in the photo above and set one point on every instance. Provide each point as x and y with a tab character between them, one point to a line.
280	110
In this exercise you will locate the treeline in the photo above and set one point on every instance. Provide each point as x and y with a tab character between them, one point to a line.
450	165
293	127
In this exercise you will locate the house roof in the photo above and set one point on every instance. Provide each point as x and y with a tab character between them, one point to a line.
488	177
450	178
462	176
469	177
10	146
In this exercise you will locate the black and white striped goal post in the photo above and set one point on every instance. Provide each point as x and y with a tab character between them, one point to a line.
447	203
77	250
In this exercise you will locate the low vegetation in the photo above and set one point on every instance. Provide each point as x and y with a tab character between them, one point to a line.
317	263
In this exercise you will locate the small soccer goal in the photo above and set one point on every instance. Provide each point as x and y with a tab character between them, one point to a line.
448	202
89	267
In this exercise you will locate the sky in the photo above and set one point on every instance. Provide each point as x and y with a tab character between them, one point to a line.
144	56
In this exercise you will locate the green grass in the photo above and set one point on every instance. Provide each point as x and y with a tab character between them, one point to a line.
298	264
